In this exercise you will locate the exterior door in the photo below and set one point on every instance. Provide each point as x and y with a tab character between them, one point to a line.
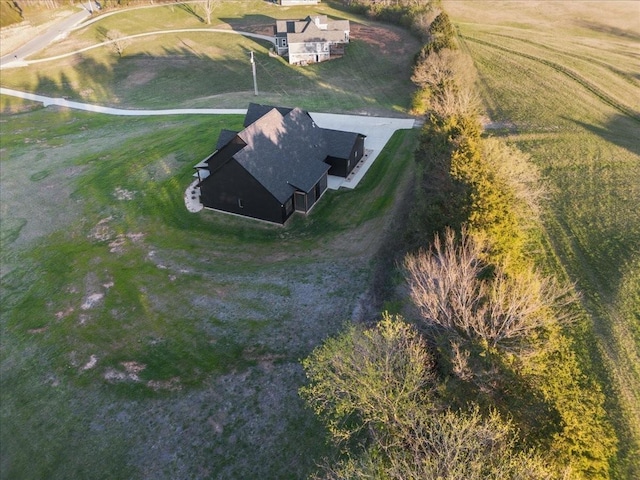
300	201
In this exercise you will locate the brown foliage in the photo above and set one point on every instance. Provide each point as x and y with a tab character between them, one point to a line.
446	284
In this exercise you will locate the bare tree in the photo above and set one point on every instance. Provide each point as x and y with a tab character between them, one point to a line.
118	40
447	286
208	6
449	76
448	446
434	69
517	170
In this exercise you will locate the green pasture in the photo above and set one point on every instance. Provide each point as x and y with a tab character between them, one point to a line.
142	341
210	69
126	319
567	92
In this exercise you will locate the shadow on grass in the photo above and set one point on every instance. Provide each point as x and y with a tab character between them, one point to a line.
608	29
252	23
621	130
191	10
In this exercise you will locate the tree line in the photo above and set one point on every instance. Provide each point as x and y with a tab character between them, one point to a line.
475	377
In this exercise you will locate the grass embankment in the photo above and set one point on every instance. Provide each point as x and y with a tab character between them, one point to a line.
9	14
139	340
561	84
152	70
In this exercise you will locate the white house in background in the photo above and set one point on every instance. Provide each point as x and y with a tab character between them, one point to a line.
311	40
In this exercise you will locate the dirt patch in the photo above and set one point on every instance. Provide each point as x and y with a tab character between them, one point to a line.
93	360
91	301
130	373
388	41
139	77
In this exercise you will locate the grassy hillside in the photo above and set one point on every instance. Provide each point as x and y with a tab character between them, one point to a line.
559	80
213	69
141	341
9	13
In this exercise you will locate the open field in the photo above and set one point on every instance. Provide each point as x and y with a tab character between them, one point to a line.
151	73
560	80
141	341
150	342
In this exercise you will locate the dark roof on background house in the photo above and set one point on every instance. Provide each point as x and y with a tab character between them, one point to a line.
255	111
339	143
300	31
268	137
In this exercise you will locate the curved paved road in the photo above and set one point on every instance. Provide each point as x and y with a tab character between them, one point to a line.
378	130
61	28
61	102
35	45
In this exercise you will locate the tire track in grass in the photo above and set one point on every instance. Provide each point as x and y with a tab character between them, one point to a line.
603	96
630	78
615	357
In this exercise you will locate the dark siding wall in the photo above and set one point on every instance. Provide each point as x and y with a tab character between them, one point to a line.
305	200
232	189
358	151
341	167
338	166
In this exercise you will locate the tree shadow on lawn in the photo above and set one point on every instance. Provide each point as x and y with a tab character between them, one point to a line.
621	130
144	80
604	191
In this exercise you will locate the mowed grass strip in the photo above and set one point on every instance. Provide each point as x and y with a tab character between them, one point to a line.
213	69
579	121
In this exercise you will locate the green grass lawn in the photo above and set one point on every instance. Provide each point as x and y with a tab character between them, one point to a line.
372	76
142	341
562	85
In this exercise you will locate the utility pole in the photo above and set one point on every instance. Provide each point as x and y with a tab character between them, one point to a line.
255	82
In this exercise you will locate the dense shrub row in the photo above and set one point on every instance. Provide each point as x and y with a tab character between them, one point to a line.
415	15
494	190
494	326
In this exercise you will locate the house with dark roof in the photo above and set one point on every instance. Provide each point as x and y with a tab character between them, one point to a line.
311	40
276	165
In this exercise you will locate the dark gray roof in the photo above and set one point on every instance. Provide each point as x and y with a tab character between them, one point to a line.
282	148
284	153
298	31
339	143
255	111
225	137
